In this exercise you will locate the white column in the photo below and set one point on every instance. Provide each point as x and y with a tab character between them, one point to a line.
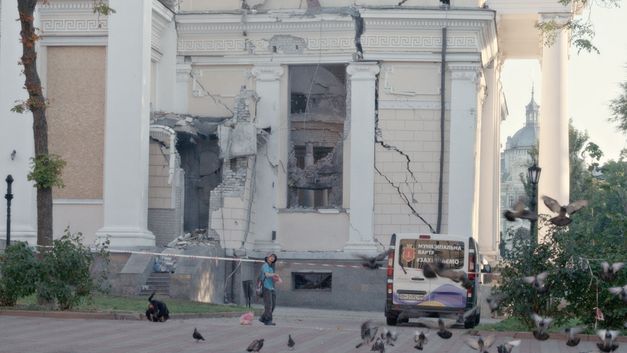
181	89
167	69
462	195
268	87
362	77
127	125
488	181
16	132
553	140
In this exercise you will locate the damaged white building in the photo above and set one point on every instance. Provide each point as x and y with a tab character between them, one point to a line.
313	129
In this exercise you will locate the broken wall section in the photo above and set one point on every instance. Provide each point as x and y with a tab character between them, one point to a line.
165	187
407	156
231	211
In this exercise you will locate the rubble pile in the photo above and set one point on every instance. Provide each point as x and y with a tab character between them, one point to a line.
197	237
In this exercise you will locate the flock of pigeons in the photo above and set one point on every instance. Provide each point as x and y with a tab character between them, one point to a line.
538	282
379	337
254	346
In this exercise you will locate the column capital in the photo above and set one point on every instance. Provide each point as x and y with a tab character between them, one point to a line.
182	72
465	71
363	70
267	72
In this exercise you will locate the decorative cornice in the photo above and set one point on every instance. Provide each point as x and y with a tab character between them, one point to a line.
362	71
71	18
267	72
407	31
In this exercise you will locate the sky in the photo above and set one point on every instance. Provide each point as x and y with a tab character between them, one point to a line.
593	81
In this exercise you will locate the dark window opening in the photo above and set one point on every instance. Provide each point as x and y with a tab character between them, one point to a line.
312	280
317	115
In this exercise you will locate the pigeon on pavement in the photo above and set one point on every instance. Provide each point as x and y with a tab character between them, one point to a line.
290	342
507	347
197	336
255	346
373	263
571	334
479	343
368	333
421	339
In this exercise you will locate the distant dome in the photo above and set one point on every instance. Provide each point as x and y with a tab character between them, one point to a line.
525	137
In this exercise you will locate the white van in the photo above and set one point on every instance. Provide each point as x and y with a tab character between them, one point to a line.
411	295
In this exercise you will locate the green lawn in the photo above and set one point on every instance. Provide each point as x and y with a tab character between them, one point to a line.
515	325
107	303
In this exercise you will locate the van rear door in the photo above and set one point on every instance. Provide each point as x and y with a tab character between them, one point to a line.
411	287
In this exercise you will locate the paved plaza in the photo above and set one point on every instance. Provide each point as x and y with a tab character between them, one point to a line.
313	330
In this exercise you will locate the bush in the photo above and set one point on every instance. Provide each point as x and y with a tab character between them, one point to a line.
572	258
65	272
18	273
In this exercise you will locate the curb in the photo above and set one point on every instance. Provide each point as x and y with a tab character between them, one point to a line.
553	336
112	315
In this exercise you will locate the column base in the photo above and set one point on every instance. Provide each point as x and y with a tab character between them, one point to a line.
124	238
365	248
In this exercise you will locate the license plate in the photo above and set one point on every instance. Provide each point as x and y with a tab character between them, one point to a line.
411	296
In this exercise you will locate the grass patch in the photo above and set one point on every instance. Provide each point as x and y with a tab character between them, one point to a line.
107	303
515	325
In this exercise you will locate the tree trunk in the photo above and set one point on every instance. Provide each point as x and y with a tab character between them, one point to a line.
37	105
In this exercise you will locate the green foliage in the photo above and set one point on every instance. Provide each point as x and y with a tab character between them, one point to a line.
65	272
618	107
46	171
18	273
527	258
101	7
572	255
581	29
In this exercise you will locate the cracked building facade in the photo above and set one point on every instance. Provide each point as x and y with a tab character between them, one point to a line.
278	125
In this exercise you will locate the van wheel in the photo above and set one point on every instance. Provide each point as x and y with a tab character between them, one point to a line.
470	322
477	319
391	320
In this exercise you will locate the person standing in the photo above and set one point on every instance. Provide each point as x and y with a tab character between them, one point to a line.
268	276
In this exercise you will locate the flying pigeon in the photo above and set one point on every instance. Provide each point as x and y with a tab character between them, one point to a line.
507	347
562	219
368	333
493	302
441	327
621	292
290	342
389	336
255	346
373	263
455	276
538	282
479	343
609	271
571	334
421	339
197	336
542	325
608	340
428	270
378	345
519	211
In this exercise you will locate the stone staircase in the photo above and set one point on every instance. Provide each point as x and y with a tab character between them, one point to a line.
159	282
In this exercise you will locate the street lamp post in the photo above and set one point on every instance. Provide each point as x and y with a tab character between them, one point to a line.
533	174
9	197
